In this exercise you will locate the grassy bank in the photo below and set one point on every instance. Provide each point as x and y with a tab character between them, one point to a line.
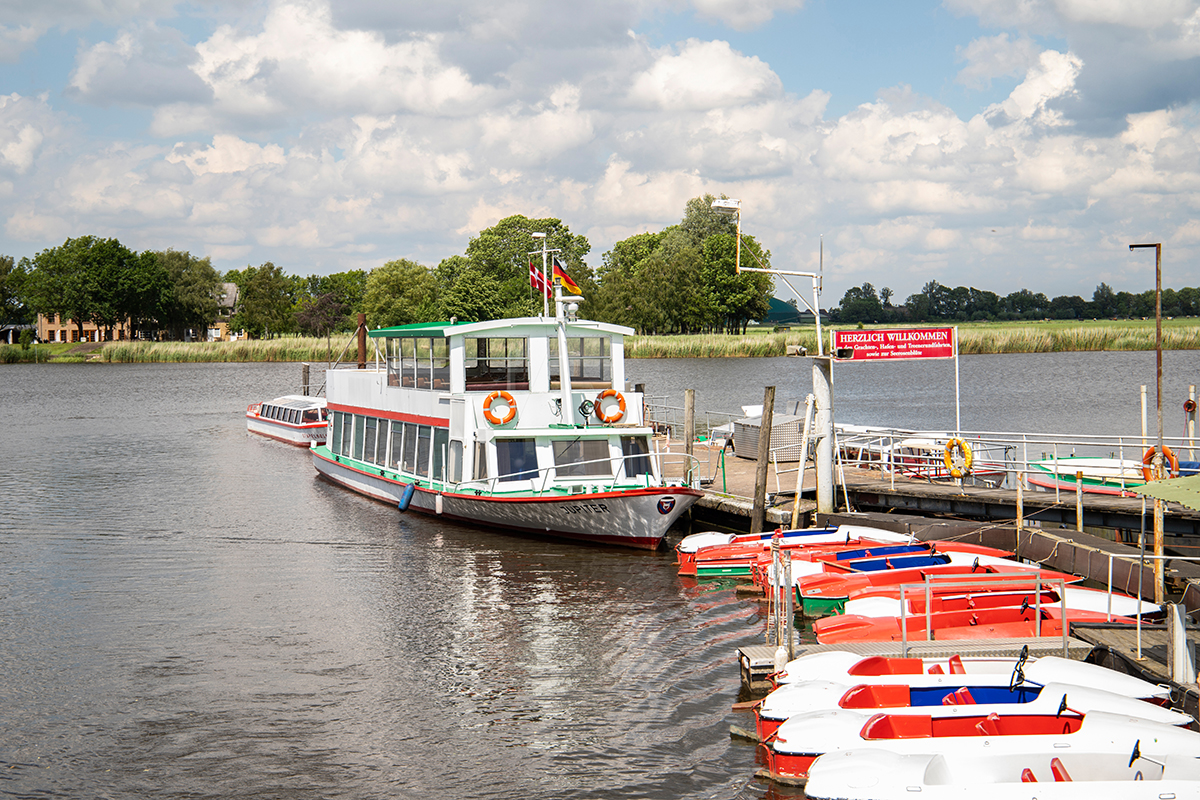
974	338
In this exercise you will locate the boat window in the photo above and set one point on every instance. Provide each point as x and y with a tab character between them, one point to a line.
347	433
441	442
409	463
456	460
481	471
590	360
294	415
408	362
423	441
496	363
580	457
424	364
441	364
268	412
516	459
369	439
397	443
312	415
336	445
636	450
392	354
359	425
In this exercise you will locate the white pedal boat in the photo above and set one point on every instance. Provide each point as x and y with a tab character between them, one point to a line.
841	533
955	695
840	666
802	738
870	774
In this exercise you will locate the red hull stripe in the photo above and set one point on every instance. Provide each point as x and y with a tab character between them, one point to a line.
437	422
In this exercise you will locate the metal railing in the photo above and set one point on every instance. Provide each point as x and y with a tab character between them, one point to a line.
689	473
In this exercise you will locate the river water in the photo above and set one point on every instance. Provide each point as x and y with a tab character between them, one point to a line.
190	612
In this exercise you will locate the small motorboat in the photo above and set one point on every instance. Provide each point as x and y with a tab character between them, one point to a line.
294	419
802	738
946	695
885	601
840	666
822	594
1142	773
984	623
752	544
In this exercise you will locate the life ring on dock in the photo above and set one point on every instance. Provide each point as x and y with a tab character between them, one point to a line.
620	412
958	451
1148	459
508	399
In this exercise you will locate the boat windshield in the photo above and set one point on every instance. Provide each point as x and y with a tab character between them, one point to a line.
497	363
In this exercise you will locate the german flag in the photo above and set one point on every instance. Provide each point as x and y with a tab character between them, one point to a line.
560	276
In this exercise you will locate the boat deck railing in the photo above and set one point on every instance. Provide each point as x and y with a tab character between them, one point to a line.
671	467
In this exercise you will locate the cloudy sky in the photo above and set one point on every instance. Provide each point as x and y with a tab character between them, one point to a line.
1000	144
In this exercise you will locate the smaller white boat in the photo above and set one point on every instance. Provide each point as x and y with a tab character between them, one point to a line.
1063	774
950	695
840	666
804	737
293	419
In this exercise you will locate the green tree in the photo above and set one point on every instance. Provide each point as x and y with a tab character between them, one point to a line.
466	293
13	277
401	292
266	302
147	293
860	304
61	281
738	298
502	253
190	303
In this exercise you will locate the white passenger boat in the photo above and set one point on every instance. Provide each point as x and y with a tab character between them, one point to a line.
294	419
521	424
1148	771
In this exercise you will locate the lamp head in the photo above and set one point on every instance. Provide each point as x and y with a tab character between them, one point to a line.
727	205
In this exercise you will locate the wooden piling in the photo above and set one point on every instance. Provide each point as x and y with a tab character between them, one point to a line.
764	457
304	384
362	341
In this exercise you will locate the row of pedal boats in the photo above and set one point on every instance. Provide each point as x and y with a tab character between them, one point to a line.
880	585
875	728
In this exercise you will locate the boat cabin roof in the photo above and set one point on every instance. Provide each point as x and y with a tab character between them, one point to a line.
297	401
518	326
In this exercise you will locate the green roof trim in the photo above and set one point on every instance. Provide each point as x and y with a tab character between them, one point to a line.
416	329
1184	491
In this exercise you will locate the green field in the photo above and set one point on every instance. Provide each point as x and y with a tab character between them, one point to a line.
974	338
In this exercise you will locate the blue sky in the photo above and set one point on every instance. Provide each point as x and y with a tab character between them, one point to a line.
1000	144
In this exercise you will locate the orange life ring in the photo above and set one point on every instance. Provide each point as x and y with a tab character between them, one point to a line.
1148	459
610	418
507	398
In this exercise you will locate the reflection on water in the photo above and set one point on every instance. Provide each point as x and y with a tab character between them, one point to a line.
189	611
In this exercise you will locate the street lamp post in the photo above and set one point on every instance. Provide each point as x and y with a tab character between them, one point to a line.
822	364
1160	453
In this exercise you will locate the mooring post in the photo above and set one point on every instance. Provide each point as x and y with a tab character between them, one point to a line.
304	378
823	393
1190	408
759	512
1079	501
362	341
689	421
1020	515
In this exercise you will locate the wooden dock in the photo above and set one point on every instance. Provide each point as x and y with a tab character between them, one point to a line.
1117	648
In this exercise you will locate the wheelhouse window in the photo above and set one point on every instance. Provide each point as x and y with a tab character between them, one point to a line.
516	459
441	364
589	359
636	452
496	363
581	458
408	362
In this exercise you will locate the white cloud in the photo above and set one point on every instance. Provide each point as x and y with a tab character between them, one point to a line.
744	15
701	76
25	125
1052	78
995	57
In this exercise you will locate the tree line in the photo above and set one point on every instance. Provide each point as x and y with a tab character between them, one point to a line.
939	303
679	280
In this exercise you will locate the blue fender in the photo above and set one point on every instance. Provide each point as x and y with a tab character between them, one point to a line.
407	497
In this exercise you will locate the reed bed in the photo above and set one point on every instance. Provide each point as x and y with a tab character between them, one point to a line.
281	349
974	338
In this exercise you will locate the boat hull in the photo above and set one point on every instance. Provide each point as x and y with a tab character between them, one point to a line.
632	518
303	435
